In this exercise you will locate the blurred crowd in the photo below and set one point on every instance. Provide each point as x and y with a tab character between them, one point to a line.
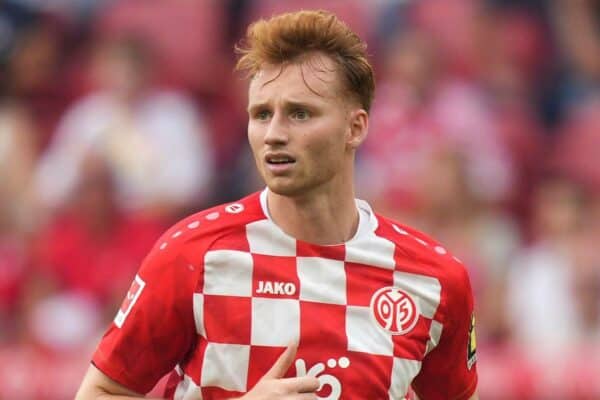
118	117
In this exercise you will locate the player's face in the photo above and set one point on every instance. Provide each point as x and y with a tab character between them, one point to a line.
300	126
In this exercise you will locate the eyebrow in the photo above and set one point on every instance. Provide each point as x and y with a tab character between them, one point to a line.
287	104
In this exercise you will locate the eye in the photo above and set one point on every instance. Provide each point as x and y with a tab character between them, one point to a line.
262	115
300	115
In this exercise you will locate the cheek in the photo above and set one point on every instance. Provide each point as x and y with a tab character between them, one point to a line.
254	137
327	153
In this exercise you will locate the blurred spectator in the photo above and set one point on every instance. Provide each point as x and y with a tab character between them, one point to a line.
576	26
83	261
188	35
513	61
577	146
93	247
553	295
18	151
480	234
543	275
418	106
32	71
153	140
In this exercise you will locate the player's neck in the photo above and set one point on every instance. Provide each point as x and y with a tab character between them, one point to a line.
327	217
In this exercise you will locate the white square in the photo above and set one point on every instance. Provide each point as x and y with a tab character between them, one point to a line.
228	273
364	334
275	322
199	314
187	389
371	250
403	372
264	237
322	280
435	333
226	366
424	290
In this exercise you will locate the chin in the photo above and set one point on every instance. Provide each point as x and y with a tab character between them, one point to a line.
286	187
284	190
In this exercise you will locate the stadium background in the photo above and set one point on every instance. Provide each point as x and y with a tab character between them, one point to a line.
119	117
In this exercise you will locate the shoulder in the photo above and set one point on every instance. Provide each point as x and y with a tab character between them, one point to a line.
423	261
193	236
419	253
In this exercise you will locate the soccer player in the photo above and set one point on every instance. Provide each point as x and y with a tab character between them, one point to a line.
300	291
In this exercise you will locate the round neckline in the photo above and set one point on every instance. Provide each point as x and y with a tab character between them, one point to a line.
367	222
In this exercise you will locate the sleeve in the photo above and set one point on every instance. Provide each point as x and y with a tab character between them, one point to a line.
154	328
449	371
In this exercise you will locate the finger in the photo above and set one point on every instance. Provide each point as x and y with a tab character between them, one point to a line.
304	384
283	363
302	396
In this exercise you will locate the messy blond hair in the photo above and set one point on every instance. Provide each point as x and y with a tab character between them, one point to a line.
290	37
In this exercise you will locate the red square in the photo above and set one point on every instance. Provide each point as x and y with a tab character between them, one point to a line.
192	367
227	319
275	277
234	240
262	359
362	281
304	249
213	392
367	374
323	326
412	345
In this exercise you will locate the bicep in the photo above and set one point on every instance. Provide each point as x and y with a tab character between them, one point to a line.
155	327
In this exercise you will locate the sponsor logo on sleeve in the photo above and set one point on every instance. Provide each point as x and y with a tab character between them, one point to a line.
137	286
472	345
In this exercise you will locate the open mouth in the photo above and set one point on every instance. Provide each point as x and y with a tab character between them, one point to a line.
279	159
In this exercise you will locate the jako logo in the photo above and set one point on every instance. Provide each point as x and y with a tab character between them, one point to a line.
335	386
268	287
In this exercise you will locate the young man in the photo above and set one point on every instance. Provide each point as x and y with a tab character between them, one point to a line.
300	291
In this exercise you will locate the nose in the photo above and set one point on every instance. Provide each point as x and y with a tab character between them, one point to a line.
277	133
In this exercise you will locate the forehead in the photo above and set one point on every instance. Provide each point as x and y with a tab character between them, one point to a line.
314	78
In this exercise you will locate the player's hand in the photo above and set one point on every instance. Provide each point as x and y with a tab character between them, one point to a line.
272	386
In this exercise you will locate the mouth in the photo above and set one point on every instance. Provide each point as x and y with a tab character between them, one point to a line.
279	159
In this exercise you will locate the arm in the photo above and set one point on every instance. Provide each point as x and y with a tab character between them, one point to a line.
97	386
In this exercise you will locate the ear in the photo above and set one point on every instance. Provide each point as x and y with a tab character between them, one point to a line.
357	129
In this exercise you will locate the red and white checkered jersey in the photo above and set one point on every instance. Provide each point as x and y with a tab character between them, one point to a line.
224	291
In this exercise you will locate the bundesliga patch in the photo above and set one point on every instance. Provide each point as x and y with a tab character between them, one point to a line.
472	345
132	295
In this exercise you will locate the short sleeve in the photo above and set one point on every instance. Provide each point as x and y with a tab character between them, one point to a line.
449	371
154	328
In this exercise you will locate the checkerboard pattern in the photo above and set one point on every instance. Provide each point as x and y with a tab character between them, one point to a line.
225	291
267	290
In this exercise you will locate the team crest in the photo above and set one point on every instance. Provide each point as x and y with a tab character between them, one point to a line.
394	310
472	345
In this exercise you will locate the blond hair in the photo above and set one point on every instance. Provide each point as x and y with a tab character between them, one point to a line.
290	37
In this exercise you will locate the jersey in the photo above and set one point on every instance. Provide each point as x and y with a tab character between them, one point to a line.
225	291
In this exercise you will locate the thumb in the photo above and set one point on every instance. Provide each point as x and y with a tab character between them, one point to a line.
283	363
